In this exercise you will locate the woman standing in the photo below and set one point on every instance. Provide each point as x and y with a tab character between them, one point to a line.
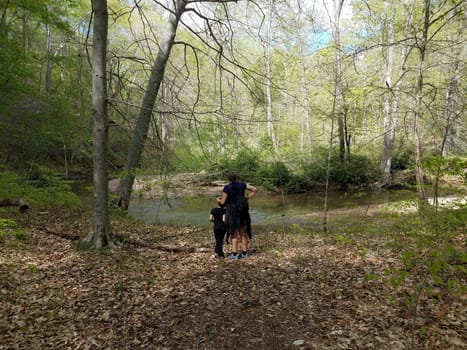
236	217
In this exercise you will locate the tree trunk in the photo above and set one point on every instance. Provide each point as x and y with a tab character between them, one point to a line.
452	112
2	19
149	100
100	234
340	104
328	165
305	101
388	121
269	117
418	105
454	102
48	68
391	109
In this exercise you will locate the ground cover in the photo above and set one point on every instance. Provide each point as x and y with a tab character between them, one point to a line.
300	289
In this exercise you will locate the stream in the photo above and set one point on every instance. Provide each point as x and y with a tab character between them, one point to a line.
265	208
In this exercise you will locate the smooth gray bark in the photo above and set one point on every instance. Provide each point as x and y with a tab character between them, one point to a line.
391	105
100	234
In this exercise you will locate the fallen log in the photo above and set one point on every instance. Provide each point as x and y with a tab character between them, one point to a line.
21	203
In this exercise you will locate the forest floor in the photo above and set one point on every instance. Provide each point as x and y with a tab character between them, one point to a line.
162	289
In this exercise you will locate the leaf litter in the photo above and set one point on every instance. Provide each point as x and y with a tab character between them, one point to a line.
163	290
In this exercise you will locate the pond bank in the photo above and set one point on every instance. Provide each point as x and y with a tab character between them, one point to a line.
204	184
185	199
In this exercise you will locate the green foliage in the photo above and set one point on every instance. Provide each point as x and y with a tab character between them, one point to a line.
46	188
402	159
245	163
356	171
20	234
9	186
45	127
371	277
343	240
5	226
433	260
446	165
266	146
251	166
37	135
9	231
274	175
52	189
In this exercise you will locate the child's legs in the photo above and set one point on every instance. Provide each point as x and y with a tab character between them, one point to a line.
219	235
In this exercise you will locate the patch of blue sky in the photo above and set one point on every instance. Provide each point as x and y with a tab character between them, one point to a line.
351	49
318	40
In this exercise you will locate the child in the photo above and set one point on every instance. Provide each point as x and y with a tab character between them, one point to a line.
217	216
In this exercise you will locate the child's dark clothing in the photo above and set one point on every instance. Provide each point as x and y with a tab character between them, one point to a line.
219	230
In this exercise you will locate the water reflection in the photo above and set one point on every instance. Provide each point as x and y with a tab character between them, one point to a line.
264	208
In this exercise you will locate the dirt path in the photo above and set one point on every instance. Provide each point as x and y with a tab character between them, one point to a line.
296	291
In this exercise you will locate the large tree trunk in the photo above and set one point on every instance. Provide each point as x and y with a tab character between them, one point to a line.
149	100
388	122
391	106
100	234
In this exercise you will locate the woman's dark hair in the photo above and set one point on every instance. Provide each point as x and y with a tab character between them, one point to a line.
232	176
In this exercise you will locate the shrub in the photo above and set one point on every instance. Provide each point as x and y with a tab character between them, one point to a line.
356	171
245	164
402	159
273	175
446	165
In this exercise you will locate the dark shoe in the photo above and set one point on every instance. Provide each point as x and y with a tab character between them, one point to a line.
244	255
234	256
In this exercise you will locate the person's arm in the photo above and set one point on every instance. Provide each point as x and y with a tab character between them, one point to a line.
211	217
252	191
223	199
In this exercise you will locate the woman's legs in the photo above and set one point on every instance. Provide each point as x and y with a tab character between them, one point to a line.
244	239
234	240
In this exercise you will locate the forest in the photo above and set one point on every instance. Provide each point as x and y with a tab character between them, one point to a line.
163	98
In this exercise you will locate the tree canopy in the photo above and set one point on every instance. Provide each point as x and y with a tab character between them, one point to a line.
242	78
